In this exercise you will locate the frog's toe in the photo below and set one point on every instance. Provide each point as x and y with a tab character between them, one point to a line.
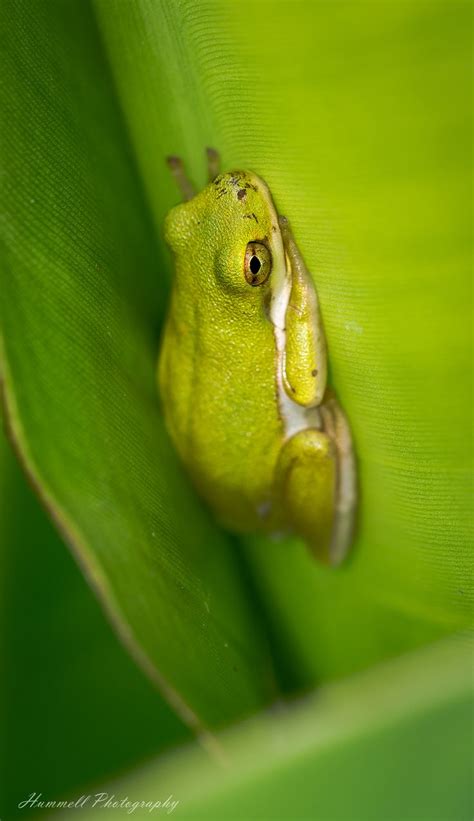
176	166
213	163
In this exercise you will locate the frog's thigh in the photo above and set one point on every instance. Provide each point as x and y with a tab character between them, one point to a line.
306	486
316	485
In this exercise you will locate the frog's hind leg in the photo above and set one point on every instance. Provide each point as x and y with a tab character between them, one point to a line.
213	163
316	488
305	489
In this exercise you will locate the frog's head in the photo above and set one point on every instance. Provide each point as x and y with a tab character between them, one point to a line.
229	236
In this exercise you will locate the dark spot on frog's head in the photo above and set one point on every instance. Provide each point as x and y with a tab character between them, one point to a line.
314	372
293	389
241	193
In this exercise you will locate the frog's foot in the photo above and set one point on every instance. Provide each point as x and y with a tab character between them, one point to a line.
176	166
213	163
337	428
316	489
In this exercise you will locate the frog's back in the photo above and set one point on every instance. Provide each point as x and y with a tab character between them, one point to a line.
218	359
222	411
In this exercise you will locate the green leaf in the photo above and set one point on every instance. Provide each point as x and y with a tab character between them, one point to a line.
392	743
82	293
62	726
355	114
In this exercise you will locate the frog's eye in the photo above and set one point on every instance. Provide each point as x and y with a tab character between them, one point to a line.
258	263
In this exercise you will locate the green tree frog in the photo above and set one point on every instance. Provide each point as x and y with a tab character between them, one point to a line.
242	369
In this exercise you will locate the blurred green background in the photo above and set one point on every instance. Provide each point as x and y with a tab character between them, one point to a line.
357	114
74	706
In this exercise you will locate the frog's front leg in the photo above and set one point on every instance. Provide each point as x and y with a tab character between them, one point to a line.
213	163
176	166
316	484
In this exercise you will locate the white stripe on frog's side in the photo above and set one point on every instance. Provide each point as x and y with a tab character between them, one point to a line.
295	417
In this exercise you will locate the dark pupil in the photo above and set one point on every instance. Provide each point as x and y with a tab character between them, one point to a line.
255	265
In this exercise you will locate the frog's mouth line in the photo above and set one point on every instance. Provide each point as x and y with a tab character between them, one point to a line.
295	417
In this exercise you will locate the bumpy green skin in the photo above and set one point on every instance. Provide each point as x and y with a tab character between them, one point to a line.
217	363
218	368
